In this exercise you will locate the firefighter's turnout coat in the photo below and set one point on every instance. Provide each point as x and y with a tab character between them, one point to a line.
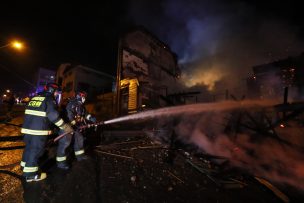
77	113
40	115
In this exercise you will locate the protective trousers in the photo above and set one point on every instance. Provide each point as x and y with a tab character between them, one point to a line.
65	142
34	149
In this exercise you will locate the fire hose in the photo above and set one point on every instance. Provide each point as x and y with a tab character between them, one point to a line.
80	128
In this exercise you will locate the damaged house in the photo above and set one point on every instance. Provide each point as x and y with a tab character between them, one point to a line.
272	79
147	71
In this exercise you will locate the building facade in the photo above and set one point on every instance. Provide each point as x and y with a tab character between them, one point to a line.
73	78
147	71
271	80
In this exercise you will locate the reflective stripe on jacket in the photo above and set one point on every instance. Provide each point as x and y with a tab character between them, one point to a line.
40	113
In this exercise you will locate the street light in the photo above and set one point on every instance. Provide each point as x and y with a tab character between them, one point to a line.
14	44
19	46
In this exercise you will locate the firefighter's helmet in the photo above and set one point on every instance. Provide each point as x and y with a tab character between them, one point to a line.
52	87
81	96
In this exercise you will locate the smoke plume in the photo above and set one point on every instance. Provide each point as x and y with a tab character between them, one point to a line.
266	157
218	42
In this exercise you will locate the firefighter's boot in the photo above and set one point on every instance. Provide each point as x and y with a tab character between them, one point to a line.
82	157
63	165
35	178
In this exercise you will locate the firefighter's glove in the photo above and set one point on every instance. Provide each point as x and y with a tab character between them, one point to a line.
73	122
93	120
67	128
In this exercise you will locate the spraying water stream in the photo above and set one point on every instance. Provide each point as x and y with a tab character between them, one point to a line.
192	109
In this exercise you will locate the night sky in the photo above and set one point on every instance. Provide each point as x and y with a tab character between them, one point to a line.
213	39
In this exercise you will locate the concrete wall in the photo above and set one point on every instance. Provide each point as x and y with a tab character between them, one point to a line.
75	78
149	60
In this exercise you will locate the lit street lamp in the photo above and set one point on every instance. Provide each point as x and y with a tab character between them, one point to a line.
14	44
19	46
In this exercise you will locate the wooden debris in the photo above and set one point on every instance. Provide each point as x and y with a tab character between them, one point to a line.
171	174
119	143
275	190
204	171
148	147
232	184
128	142
116	155
238	181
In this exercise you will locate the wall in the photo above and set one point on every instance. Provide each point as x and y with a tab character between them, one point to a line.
75	78
149	60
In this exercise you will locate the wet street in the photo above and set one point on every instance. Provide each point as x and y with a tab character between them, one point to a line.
112	175
129	166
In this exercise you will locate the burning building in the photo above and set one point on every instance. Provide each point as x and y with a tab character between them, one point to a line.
270	80
147	71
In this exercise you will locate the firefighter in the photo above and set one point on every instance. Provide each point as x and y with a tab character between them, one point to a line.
77	116
40	113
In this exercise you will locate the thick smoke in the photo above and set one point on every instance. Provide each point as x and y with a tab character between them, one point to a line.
218	42
205	125
265	157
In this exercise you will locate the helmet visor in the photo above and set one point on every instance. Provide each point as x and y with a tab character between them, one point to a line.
57	95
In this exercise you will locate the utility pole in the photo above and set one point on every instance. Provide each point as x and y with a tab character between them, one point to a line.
118	76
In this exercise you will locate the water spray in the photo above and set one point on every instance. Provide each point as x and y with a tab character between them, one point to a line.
177	110
193	109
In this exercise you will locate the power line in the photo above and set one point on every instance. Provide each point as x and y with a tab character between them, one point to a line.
18	76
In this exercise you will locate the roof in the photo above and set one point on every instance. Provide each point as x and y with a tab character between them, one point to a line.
153	36
71	67
297	61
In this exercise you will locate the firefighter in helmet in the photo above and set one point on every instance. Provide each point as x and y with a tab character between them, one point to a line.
40	113
77	116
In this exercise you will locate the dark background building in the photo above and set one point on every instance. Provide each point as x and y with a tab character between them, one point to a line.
270	80
44	76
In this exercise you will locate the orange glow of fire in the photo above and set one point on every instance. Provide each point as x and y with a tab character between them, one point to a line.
203	77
